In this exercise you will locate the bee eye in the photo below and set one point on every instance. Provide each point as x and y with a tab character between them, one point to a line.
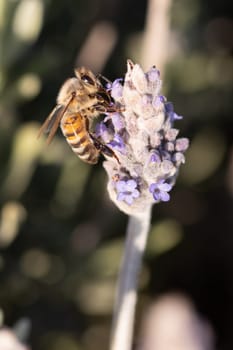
87	79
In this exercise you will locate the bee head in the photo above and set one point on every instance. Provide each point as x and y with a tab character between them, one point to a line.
87	77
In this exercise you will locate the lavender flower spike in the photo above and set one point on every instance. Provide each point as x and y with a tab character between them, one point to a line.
144	139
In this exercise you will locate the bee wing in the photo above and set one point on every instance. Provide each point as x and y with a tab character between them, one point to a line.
52	122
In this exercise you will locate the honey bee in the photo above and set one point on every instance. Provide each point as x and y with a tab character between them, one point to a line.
80	100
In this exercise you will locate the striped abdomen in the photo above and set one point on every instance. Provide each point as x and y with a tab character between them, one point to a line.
75	131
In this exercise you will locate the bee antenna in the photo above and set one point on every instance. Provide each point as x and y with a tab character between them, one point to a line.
100	76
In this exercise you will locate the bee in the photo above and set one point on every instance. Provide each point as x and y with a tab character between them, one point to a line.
80	100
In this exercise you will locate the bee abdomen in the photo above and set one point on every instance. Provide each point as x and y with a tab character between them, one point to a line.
81	144
77	142
87	153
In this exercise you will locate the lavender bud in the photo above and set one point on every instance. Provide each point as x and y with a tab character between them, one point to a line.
171	134
182	144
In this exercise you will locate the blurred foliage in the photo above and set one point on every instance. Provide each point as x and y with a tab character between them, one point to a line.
61	239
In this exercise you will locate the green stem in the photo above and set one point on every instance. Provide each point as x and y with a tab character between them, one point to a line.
124	312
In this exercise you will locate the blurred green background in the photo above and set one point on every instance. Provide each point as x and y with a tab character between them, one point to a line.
60	237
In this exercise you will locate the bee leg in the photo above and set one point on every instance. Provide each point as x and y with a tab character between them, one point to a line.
103	148
109	109
114	108
100	108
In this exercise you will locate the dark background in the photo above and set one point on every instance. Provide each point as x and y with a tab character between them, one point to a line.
61	238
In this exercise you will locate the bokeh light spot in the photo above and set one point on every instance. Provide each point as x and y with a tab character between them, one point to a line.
28	19
25	151
12	216
29	85
35	263
59	341
204	156
102	303
164	235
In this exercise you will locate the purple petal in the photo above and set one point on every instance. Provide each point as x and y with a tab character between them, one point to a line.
121	196
170	112
136	194
108	86
117	143
162	98
155	157
156	196
165	187
164	196
177	117
153	74
117	121
102	131
153	187
156	103
182	144
121	186
131	185
117	89
129	199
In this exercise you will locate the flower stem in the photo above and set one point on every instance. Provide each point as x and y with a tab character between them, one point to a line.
124	311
